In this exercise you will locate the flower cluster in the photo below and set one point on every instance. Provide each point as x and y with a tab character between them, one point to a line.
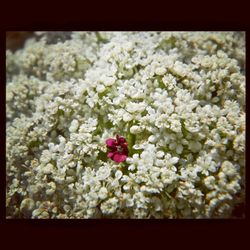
169	107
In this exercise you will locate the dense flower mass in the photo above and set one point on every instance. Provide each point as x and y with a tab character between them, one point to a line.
176	101
118	149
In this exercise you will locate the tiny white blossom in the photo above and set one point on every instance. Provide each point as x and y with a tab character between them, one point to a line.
74	126
103	193
100	88
103	173
118	174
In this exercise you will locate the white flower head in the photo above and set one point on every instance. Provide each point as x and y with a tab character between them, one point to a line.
177	98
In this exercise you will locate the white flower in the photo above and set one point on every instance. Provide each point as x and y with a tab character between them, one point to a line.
229	169
108	81
118	174
103	193
45	157
160	154
133	107
135	129
48	168
160	71
103	173
127	117
109	206
51	188
179	149
180	69
210	182
174	160
74	126
100	88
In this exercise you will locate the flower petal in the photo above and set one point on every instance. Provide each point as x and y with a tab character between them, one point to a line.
124	145
120	139
111	154
111	143
119	157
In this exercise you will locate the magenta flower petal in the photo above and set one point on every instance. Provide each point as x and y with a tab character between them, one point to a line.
119	157
111	154
124	145
111	142
120	139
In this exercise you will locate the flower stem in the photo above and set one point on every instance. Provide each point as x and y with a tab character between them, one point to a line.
131	142
131	139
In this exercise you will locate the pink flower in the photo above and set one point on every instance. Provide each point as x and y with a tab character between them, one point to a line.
118	149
